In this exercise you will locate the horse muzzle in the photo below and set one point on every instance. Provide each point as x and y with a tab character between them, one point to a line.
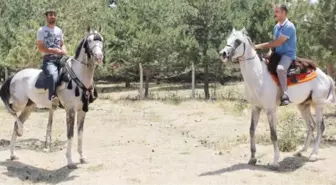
99	58
225	56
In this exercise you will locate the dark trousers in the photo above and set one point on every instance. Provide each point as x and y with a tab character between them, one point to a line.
50	70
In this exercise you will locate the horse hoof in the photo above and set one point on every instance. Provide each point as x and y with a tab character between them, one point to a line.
252	161
19	134
83	161
313	158
275	167
297	154
72	166
13	158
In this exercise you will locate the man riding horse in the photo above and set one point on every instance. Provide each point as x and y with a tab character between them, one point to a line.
51	44
285	45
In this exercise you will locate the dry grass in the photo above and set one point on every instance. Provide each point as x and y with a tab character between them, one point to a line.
230	98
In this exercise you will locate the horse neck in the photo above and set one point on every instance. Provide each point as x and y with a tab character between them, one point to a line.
252	69
83	72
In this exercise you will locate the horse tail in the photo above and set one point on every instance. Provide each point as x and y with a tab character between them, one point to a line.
5	94
331	96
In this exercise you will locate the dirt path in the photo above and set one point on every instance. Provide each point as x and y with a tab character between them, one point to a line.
155	143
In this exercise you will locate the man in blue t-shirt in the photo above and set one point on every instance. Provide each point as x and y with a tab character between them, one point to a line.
285	45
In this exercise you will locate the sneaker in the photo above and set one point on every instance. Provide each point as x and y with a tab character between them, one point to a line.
284	100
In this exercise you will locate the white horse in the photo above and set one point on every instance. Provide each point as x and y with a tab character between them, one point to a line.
19	93
263	93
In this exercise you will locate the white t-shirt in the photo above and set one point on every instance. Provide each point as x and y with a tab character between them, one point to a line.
51	37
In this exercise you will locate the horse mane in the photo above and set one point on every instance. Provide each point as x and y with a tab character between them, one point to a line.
78	49
97	37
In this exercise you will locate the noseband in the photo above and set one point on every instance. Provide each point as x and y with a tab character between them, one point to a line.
236	45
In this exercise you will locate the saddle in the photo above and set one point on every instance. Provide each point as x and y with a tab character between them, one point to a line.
297	71
42	80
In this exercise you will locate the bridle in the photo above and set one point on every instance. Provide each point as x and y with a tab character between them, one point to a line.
236	45
88	50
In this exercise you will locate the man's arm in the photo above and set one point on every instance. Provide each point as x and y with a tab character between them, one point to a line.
63	47
272	44
286	33
42	48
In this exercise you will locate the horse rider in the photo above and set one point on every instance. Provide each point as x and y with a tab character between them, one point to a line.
51	44
285	45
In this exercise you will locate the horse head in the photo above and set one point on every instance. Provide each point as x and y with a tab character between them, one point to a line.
93	46
235	45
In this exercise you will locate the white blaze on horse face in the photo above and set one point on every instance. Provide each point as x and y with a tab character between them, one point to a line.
97	49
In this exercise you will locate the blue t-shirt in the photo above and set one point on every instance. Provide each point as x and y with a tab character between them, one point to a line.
288	30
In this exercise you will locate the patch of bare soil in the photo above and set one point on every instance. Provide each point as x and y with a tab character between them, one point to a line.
150	142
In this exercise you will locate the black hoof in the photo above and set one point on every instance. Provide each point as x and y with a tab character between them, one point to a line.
83	161
252	161
13	158
274	167
72	166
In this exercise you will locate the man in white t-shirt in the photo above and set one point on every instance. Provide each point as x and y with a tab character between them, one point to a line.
51	44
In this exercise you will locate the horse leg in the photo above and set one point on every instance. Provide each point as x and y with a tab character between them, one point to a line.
70	120
320	130
271	115
47	144
18	127
306	115
254	122
80	127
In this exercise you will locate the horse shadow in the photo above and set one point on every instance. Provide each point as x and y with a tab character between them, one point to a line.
287	165
24	172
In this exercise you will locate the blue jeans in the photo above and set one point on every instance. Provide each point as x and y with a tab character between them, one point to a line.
50	70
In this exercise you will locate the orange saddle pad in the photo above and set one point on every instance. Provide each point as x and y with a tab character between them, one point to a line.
297	78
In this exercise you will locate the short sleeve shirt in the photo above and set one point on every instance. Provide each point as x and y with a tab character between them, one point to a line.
288	30
51	37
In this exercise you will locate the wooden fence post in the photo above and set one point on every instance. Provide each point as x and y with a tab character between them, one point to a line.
141	82
192	80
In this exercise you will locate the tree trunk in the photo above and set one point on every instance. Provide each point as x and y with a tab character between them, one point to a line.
128	83
147	73
330	70
206	81
6	73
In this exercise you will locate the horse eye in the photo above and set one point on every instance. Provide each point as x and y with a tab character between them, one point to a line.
237	42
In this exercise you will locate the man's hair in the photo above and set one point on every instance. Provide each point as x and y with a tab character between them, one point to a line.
282	7
46	13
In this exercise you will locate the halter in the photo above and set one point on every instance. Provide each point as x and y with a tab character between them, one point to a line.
244	45
89	50
72	74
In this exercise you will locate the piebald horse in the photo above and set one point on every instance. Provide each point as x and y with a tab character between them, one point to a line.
263	93
20	93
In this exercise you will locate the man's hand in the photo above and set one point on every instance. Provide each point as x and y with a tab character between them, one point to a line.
57	51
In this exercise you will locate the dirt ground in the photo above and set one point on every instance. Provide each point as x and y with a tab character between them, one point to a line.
152	142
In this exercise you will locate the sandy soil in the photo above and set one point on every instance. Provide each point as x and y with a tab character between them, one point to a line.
150	142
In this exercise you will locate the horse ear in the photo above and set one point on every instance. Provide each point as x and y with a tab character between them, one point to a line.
233	29
244	31
88	29
99	29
